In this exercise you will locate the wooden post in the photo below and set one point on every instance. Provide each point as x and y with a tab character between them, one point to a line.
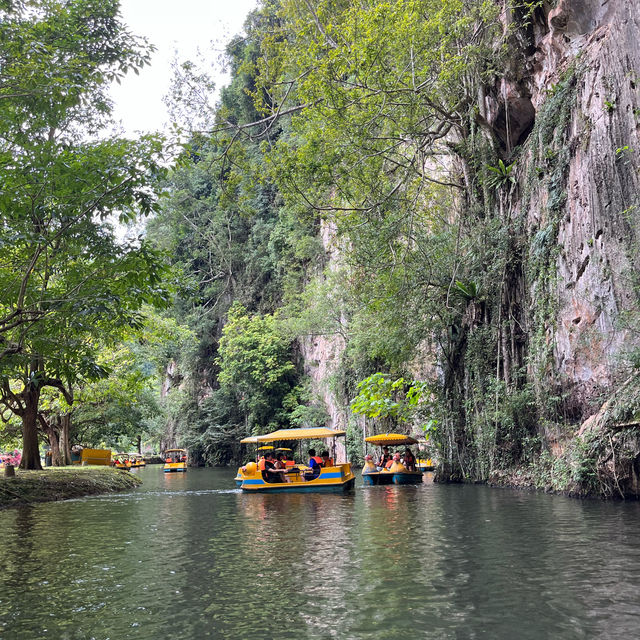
9	471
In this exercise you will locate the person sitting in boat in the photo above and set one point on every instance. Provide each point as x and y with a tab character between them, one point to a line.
270	473
369	466
396	465
326	460
409	460
280	464
384	459
315	462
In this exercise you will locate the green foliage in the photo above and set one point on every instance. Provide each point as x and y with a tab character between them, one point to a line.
67	282
396	400
503	175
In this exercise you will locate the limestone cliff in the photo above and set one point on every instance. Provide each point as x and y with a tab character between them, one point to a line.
566	112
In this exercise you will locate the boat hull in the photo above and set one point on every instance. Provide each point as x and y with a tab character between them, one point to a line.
407	478
175	467
386	477
381	477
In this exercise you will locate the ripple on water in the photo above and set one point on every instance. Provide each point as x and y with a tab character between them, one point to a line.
193	553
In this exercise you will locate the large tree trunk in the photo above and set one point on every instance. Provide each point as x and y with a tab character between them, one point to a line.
52	436
30	450
65	447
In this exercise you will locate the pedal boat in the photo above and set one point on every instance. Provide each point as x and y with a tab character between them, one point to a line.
335	479
136	461
423	464
387	476
121	461
175	460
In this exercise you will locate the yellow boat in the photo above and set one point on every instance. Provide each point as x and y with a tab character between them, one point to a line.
390	476
121	461
425	464
337	478
175	460
136	461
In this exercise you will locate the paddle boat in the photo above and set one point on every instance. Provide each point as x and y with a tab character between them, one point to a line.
175	460
121	461
424	464
396	473
297	478
136	461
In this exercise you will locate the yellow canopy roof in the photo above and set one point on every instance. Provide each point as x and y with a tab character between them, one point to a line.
167	450
249	440
300	434
390	439
265	447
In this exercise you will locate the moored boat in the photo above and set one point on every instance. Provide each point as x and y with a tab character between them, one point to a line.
298	478
175	460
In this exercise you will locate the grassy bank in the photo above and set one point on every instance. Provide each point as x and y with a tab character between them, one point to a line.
62	483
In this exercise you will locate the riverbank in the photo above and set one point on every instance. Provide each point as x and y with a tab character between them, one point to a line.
62	483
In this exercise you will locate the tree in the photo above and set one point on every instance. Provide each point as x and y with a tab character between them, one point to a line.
66	278
255	366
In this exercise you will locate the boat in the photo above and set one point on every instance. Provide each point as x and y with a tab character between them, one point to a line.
175	460
424	464
334	479
121	461
136	461
391	476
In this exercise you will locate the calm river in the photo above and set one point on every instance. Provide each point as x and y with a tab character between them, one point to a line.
189	556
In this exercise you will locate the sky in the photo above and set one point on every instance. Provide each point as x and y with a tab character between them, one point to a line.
171	25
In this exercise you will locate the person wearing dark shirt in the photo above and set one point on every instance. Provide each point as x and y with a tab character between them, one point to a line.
270	473
384	458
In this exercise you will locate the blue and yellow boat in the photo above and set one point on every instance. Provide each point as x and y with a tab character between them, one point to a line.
334	479
175	460
424	464
397	473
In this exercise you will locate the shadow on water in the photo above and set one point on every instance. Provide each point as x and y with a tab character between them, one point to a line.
193	554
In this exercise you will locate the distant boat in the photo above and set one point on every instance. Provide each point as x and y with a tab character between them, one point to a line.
389	476
175	460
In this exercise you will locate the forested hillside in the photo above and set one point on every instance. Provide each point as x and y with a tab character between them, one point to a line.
415	215
403	202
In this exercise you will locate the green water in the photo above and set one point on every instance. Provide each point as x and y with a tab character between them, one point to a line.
189	556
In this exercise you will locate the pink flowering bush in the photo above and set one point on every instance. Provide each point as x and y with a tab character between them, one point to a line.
11	458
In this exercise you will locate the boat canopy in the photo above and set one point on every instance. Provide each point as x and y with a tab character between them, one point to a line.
249	440
391	439
318	433
168	450
266	447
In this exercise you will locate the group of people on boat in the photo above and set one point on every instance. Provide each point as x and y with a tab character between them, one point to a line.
175	456
394	463
275	467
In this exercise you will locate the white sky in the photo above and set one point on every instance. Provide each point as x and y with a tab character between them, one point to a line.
171	25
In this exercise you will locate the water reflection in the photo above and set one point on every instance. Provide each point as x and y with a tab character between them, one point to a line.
190	553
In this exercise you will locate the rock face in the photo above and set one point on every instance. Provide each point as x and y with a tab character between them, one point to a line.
585	202
598	233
